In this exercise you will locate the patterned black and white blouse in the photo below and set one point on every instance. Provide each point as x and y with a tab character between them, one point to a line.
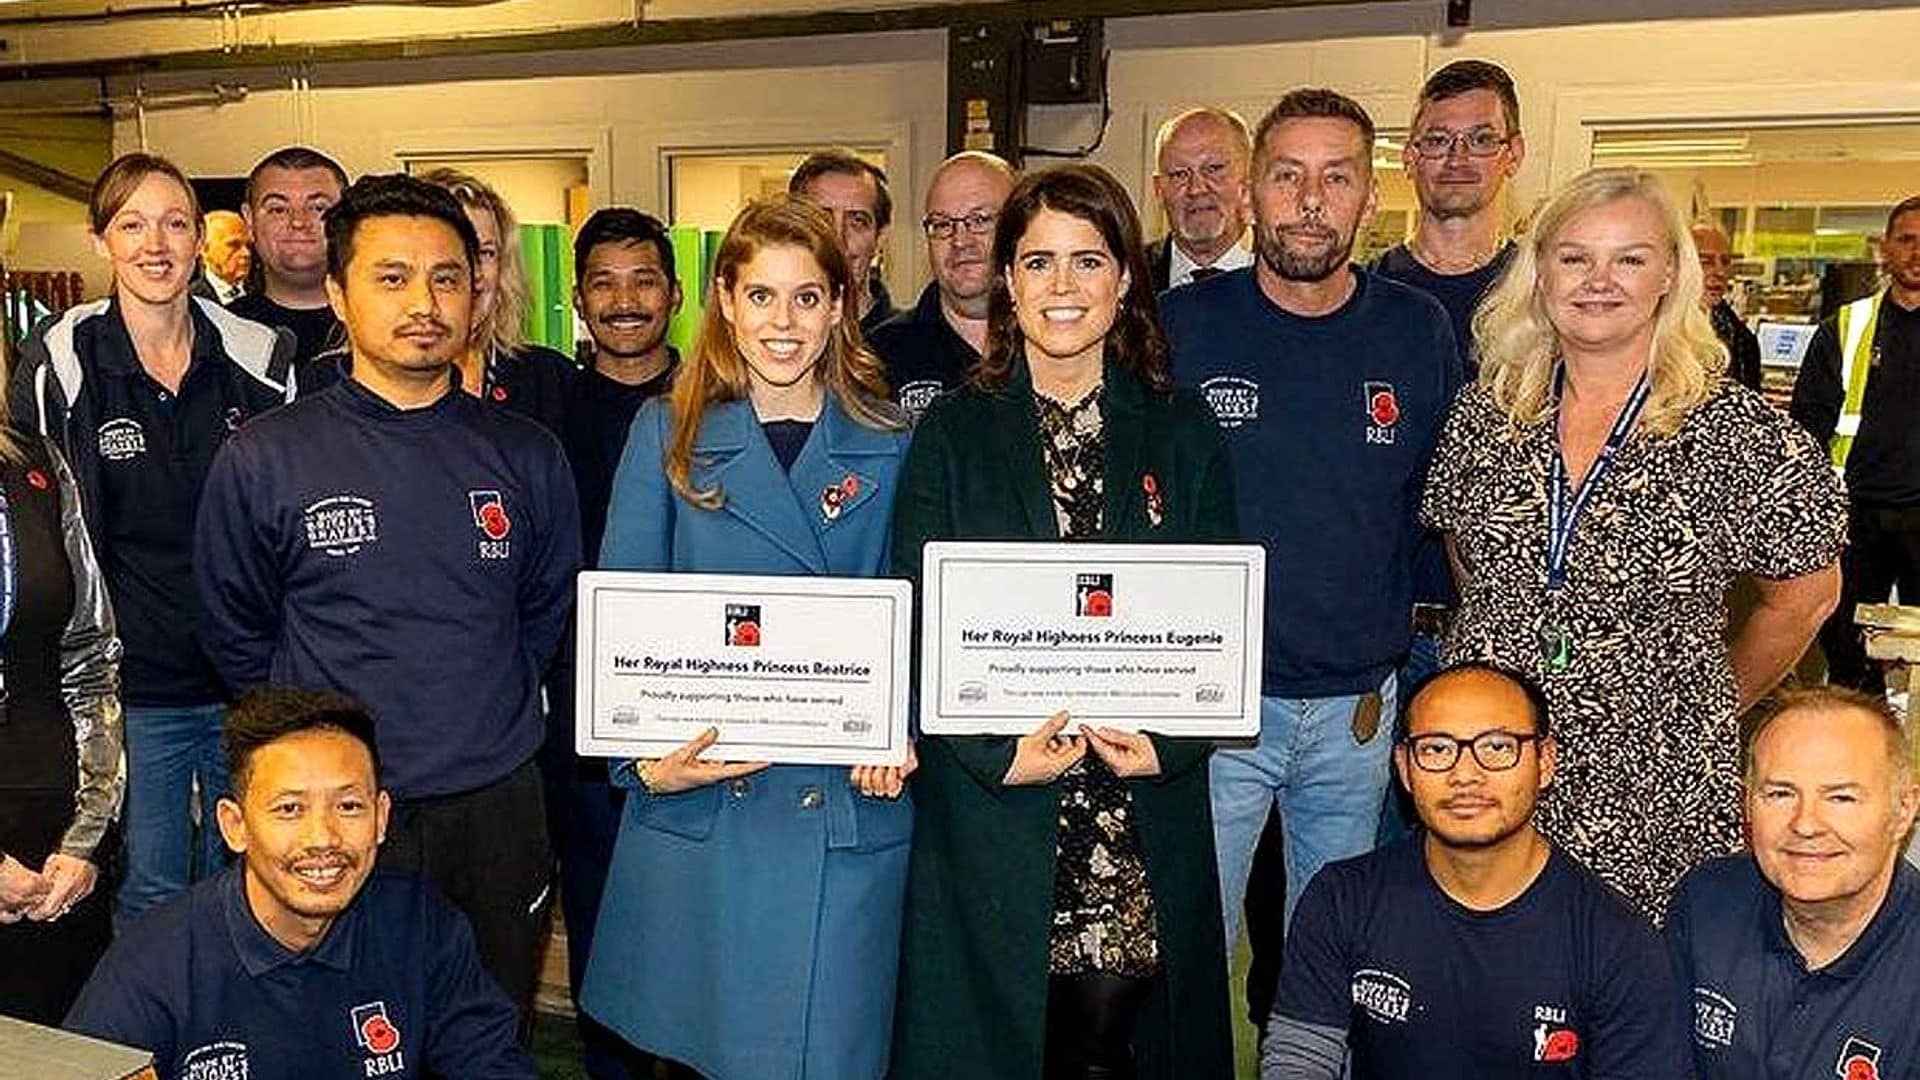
1648	783
1103	917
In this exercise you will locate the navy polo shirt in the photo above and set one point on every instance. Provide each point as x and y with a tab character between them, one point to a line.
1566	980
1331	421
1758	1014
925	356
394	989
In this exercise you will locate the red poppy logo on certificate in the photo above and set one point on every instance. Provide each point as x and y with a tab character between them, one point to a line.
1383	412
380	1038
743	625
1093	595
1859	1060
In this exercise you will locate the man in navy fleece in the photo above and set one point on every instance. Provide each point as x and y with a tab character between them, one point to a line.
408	544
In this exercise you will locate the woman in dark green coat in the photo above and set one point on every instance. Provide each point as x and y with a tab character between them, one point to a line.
1063	917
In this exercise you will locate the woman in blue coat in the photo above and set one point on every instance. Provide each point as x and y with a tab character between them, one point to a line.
751	924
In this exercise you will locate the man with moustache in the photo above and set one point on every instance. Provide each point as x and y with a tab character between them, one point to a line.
1803	958
397	538
1476	949
1201	181
1331	384
301	961
626	293
288	194
929	347
1716	270
225	257
854	192
1858	391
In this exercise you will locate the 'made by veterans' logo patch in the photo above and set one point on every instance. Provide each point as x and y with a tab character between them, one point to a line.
122	439
340	525
226	1060
1714	1018
1386	997
1234	400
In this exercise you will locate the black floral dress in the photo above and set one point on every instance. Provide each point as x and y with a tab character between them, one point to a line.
1643	709
1103	917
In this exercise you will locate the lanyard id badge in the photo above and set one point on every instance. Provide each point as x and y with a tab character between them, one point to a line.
1563	514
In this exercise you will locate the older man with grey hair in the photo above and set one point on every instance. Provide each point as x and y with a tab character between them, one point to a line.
1803	958
1200	177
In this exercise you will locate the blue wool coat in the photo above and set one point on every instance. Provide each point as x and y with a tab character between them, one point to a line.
752	929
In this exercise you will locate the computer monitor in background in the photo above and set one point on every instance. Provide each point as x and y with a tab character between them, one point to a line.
1783	344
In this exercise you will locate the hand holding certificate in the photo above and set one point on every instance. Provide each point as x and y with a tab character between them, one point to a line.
1124	638
790	670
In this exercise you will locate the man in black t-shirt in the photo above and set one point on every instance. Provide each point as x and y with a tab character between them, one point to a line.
626	293
1858	392
1476	949
288	194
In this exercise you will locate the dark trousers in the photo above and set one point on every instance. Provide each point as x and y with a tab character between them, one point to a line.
1266	909
583	820
1883	550
1090	1026
43	965
487	850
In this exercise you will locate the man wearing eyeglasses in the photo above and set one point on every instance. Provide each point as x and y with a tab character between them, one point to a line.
1716	272
1475	948
1465	146
929	347
1201	160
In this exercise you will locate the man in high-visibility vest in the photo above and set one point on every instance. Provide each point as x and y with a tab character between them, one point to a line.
1859	391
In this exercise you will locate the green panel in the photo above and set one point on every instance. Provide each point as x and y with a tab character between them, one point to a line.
689	266
544	250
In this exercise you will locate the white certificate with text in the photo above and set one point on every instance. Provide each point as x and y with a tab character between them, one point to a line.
1164	638
791	670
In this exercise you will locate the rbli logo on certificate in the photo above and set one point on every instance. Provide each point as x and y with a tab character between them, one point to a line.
1093	595
743	625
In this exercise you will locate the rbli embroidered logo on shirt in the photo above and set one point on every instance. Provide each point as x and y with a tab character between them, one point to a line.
374	1033
491	518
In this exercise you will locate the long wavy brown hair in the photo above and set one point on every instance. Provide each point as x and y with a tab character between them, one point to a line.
1090	193
716	372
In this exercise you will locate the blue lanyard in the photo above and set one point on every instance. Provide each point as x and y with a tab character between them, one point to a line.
1564	511
9	566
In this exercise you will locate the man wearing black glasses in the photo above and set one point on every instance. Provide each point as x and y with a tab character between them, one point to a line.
1475	948
929	347
1464	148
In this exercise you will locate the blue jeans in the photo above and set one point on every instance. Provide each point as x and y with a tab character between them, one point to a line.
1328	788
168	748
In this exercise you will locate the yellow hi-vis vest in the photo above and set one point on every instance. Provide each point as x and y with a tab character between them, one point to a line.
1855	326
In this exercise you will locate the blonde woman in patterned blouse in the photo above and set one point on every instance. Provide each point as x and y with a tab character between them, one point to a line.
1601	486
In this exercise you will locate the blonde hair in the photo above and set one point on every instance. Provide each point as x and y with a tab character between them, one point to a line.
1518	347
506	325
716	372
